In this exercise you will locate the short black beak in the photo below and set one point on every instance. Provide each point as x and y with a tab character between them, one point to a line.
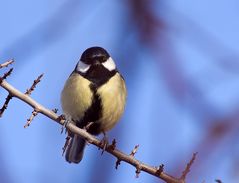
97	62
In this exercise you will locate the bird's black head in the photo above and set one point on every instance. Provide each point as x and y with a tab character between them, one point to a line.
96	65
94	55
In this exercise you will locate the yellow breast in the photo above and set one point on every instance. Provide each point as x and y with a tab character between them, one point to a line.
76	96
113	98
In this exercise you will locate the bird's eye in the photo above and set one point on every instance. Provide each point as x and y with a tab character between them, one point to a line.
103	59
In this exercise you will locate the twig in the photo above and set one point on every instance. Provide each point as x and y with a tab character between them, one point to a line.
9	97
29	120
7	63
29	92
187	169
6	75
90	138
133	152
4	107
36	81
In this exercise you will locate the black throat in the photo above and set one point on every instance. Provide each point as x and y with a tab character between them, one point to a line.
98	75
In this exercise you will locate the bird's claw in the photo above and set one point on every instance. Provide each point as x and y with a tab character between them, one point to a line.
67	120
104	143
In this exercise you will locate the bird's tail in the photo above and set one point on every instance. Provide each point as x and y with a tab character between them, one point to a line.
75	150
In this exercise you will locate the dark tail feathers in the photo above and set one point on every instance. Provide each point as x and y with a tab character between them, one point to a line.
75	150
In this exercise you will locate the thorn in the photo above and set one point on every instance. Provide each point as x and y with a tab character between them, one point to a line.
29	120
31	89
113	144
187	169
6	75
133	152
160	169
7	63
67	143
55	110
5	105
117	163
138	170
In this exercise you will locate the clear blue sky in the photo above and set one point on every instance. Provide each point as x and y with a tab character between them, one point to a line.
49	36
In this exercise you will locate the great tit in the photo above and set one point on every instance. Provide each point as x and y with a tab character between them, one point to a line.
95	93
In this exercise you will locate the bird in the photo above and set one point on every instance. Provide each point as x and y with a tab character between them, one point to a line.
95	93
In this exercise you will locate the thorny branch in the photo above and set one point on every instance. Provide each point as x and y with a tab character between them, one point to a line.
30	90
7	63
29	120
6	75
130	159
4	107
9	97
133	152
187	169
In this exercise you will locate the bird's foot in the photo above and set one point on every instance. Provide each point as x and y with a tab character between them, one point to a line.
67	120
104	143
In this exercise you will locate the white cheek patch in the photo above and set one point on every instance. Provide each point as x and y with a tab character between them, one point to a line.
109	64
82	67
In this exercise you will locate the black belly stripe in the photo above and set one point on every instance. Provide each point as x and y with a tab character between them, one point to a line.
93	113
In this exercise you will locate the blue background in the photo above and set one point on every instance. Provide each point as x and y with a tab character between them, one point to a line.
181	66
